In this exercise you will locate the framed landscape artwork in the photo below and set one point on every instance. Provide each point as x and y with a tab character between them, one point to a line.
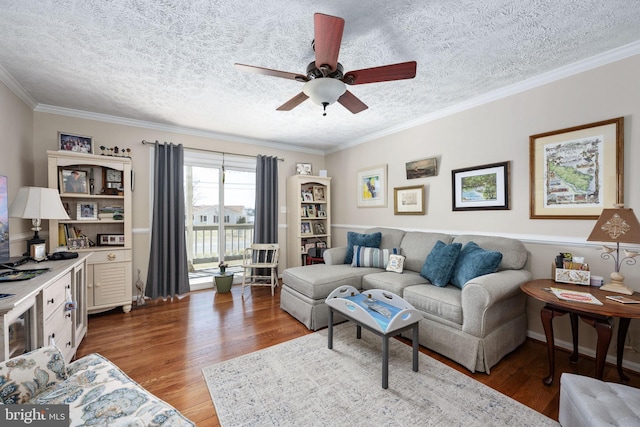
372	187
422	168
576	172
483	187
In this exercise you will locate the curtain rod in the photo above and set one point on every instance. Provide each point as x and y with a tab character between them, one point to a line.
144	142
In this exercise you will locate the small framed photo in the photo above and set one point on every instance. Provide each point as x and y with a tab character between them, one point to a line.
73	181
481	187
307	196
75	143
322	214
79	243
87	211
408	200
303	168
305	228
311	211
318	228
318	194
303	212
110	239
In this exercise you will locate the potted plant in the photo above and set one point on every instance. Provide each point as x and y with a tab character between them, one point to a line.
223	267
223	280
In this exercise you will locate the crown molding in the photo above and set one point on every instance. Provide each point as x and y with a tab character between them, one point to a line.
16	88
600	60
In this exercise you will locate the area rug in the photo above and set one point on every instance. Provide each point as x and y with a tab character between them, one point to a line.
303	383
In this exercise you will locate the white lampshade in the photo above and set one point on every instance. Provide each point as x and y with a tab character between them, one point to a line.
324	90
37	203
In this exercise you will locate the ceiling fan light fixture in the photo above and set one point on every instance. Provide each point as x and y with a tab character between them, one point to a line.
324	90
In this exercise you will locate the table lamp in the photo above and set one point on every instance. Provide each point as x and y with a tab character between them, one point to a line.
36	204
617	225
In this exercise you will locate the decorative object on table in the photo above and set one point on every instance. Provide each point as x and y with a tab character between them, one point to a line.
38	252
75	143
36	204
223	267
422	168
577	171
570	269
618	225
140	287
115	151
73	181
483	187
303	168
409	200
575	296
372	187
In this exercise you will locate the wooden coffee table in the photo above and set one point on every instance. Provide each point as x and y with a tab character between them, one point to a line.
598	316
348	301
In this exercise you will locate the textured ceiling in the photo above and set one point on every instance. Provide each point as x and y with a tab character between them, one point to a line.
171	61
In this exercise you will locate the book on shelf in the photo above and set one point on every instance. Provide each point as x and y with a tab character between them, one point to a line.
575	296
622	299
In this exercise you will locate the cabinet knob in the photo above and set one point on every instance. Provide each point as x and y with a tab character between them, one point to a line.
50	301
68	315
69	344
111	257
53	335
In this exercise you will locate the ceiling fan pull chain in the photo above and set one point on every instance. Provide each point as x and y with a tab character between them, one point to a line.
324	106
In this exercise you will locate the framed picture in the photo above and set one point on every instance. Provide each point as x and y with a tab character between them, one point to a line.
305	227
110	239
303	212
372	187
322	214
75	143
311	211
422	168
483	187
79	243
318	194
87	211
318	228
73	181
408	200
576	172
303	168
307	196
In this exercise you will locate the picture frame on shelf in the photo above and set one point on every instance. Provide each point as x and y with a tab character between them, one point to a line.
422	168
303	212
303	168
307	196
305	228
87	211
576	172
372	187
73	181
311	211
79	243
318	193
111	239
318	228
484	187
75	143
409	200
322	214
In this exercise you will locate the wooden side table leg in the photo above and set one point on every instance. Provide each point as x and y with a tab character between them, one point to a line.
547	314
574	335
623	327
604	328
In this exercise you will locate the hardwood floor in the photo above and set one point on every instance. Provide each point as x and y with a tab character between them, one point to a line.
164	346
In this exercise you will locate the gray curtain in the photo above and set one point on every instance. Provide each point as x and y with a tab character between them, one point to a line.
168	274
266	221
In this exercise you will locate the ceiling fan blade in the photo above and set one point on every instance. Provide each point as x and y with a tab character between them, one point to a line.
293	102
328	36
352	103
401	71
270	72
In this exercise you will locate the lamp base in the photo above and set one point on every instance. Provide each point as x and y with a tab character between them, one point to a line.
616	287
35	241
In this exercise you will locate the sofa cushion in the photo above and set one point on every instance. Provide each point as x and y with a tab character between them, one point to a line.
371	240
474	261
391	237
26	376
416	245
439	303
514	252
439	264
372	257
319	280
392	282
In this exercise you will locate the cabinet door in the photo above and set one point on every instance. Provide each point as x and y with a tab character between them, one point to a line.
111	283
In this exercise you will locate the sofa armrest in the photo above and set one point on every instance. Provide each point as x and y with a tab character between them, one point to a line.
480	294
335	256
24	377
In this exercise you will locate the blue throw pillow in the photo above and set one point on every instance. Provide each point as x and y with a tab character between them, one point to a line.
358	239
439	264
474	261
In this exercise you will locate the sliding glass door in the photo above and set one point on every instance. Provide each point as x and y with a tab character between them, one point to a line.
220	207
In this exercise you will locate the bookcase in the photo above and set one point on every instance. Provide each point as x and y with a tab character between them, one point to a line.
96	191
308	216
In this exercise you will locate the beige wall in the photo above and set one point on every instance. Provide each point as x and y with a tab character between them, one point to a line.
496	132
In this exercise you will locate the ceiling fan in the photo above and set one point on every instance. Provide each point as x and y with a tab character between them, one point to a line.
325	79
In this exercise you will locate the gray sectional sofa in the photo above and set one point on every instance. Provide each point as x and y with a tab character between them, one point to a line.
475	326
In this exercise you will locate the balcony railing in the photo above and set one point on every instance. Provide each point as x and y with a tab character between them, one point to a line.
205	247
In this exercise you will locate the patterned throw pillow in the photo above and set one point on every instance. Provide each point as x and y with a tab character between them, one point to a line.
372	257
396	263
472	262
358	239
439	264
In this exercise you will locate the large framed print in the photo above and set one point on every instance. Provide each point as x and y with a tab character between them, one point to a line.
483	187
75	143
408	200
576	172
372	187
